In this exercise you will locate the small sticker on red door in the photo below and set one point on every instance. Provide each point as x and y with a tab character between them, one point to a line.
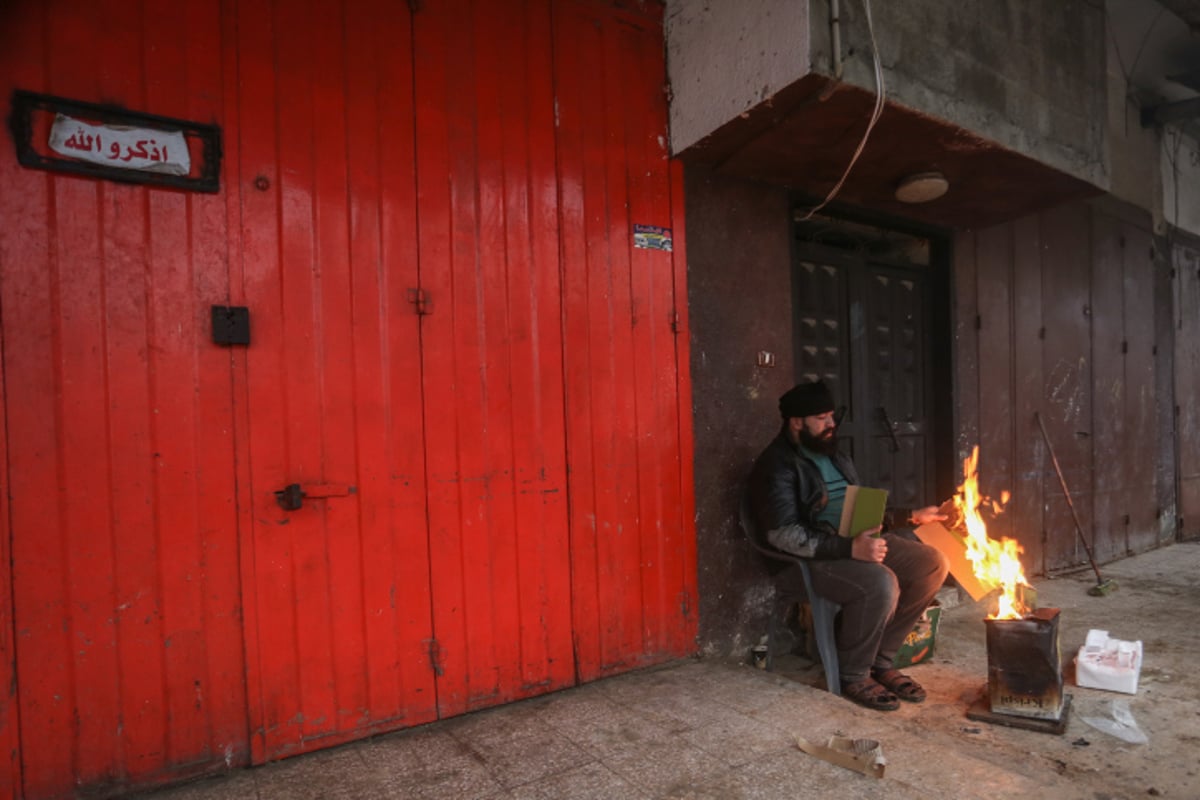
652	237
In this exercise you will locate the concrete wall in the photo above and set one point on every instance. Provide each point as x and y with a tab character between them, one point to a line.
739	295
1134	151
1028	75
726	56
1155	168
1180	181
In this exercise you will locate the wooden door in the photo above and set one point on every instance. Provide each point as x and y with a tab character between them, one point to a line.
893	364
338	619
864	329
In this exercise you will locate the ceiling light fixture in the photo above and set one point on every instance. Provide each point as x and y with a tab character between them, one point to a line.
922	187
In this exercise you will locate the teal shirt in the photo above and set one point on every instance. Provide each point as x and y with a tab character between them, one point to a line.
835	485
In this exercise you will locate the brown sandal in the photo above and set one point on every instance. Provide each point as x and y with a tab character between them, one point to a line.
870	694
900	684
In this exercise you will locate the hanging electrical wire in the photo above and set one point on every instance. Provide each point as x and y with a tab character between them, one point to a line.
875	113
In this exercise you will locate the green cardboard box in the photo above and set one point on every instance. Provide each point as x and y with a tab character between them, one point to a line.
918	645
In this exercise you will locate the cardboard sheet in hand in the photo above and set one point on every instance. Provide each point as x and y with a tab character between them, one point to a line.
954	549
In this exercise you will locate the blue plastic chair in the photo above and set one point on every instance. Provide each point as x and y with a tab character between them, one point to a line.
789	590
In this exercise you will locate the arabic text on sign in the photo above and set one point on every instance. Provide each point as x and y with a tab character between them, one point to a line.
142	149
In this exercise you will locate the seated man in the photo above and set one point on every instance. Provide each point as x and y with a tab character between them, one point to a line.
883	582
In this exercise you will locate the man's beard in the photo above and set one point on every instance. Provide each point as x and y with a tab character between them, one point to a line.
825	447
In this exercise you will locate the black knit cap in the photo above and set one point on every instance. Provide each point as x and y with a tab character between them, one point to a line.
806	400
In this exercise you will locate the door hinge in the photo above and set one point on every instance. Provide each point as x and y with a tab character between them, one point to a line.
674	321
420	301
435	657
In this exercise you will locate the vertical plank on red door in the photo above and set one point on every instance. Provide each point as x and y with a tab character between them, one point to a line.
683	544
140	641
302	390
332	143
207	712
274	633
569	99
10	761
87	554
24	300
656	380
605	551
339	639
388	430
492	353
630	575
279	129
267	583
100	323
530	288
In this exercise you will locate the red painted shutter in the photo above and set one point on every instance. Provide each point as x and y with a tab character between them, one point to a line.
126	620
493	356
338	618
628	444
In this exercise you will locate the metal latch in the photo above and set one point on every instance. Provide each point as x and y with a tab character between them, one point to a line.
291	497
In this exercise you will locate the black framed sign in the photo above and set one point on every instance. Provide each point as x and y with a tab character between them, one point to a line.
101	141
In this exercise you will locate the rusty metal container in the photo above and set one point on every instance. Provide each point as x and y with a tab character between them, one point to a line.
1025	665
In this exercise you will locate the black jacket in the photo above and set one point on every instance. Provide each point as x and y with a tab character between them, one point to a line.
786	494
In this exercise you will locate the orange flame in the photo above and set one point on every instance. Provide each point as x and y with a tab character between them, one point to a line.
995	563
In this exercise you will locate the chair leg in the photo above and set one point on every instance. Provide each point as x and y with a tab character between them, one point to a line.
823	614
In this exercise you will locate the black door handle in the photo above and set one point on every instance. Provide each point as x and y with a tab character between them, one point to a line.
887	423
290	497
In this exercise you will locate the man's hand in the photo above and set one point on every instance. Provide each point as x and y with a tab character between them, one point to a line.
927	514
869	546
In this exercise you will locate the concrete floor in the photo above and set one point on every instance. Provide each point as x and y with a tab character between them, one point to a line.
703	729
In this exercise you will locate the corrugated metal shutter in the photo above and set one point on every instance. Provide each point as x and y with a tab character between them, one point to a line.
337	591
632	551
128	640
457	354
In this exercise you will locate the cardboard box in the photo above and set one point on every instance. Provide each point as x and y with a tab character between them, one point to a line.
918	645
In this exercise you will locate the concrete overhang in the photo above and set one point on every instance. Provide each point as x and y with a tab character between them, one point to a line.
804	136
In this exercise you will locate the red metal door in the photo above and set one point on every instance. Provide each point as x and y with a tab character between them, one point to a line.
493	352
337	591
120	495
625	327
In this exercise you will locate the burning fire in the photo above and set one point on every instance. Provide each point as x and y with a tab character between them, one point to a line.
995	563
